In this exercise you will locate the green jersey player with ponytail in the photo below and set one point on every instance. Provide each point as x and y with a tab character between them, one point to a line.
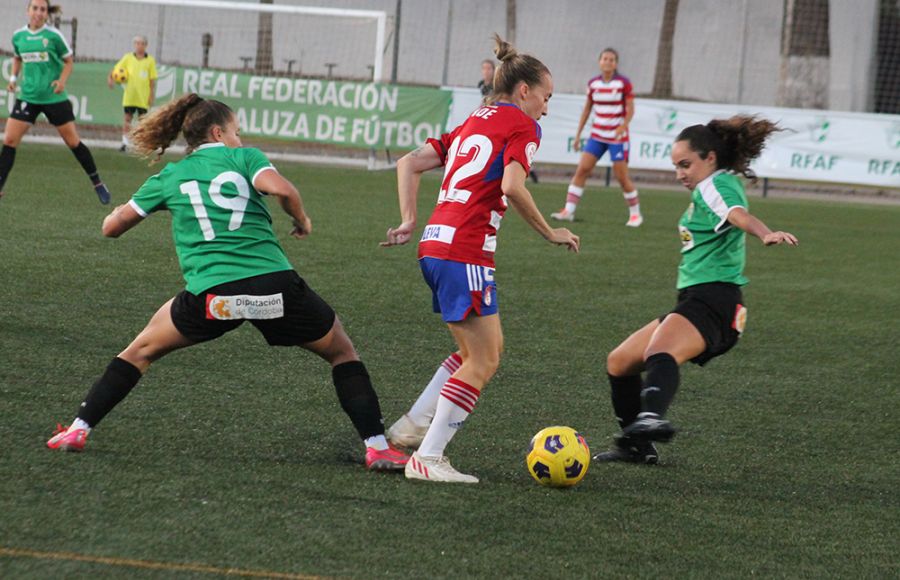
711	313
234	269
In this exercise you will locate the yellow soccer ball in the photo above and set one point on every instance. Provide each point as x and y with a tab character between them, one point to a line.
558	457
120	75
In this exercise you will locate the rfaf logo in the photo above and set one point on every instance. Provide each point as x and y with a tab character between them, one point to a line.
893	136
818	130
666	119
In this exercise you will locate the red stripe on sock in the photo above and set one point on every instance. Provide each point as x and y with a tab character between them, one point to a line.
460	394
452	363
458	402
449	391
464	386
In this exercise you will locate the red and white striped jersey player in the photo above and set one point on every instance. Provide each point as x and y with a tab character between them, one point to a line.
610	106
486	161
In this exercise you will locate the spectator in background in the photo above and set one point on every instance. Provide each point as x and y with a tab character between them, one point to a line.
486	84
140	83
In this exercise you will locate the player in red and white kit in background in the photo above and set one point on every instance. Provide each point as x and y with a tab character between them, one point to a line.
487	160
610	104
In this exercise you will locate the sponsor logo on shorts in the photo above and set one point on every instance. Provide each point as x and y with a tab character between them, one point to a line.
244	307
740	319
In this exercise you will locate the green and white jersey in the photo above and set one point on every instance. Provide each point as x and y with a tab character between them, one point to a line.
712	249
220	223
43	52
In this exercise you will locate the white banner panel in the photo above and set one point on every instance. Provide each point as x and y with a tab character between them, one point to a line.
829	146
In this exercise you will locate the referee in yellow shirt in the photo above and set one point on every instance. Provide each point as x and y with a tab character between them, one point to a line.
140	84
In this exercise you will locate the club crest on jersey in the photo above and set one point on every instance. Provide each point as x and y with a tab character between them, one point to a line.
530	150
244	306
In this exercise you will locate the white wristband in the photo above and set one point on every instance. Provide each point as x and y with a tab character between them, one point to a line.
13	78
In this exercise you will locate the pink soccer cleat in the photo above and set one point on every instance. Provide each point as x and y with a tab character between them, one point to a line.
635	221
390	459
563	215
67	440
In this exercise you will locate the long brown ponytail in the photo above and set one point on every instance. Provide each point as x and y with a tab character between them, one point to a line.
190	114
737	141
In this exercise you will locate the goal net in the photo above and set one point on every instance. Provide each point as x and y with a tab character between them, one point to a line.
261	38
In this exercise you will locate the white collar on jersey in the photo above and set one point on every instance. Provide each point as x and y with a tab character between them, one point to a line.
208	145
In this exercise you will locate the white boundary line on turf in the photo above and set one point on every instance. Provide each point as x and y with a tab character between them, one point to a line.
151	565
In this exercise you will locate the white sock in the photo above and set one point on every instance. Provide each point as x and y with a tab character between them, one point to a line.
79	424
125	140
573	196
377	441
457	400
423	409
632	209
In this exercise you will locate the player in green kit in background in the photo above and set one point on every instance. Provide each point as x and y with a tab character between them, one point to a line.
234	268
44	61
710	314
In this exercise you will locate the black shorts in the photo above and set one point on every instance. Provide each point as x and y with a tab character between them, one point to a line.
717	310
57	113
280	305
139	111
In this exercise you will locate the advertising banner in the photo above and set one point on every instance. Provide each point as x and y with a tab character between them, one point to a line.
363	115
817	145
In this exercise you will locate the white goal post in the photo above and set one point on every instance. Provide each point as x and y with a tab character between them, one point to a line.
379	17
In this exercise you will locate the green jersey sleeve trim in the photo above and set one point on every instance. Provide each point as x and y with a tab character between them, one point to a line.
137	208
721	195
62	39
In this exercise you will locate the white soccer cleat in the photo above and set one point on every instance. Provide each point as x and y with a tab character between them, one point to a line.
435	469
563	215
405	433
635	221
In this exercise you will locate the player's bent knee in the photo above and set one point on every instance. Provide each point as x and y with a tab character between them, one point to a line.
618	363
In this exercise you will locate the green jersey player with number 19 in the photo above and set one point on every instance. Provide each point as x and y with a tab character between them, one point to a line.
44	60
710	314
234	269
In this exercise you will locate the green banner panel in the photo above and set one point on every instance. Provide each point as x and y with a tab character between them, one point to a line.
364	115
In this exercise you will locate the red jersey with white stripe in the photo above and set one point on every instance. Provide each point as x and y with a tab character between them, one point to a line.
608	111
463	227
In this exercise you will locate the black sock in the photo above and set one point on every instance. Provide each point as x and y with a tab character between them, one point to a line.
660	384
358	398
626	398
83	155
7	158
120	377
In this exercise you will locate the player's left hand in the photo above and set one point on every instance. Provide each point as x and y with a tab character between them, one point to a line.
399	235
780	238
620	130
301	229
58	86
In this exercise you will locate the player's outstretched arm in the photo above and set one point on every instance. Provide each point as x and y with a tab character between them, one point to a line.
513	187
272	183
409	173
120	220
751	224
